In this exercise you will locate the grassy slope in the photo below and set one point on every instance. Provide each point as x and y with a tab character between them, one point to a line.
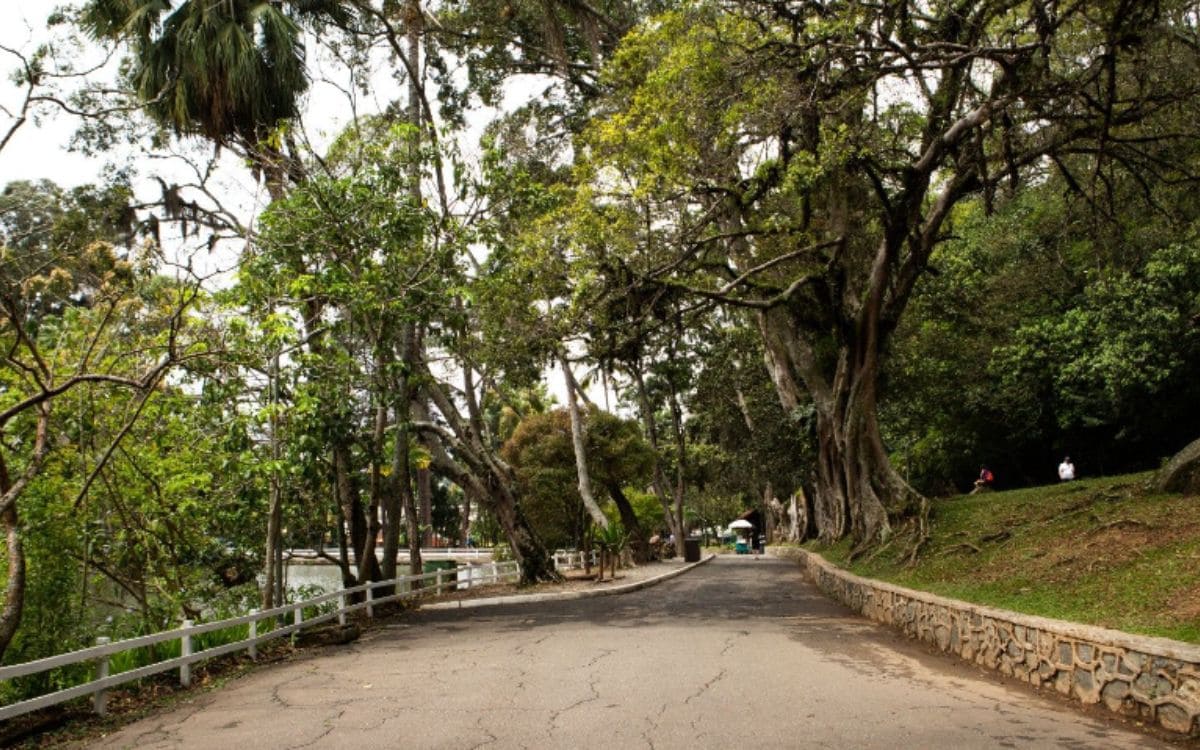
1103	551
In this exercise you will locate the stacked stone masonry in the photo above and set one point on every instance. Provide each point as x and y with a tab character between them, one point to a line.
1151	679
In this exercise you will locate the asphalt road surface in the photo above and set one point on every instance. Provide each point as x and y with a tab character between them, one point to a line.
738	653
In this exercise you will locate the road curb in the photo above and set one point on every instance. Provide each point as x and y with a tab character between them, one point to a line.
1126	673
494	601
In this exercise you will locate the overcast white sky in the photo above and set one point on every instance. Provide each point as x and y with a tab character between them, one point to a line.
37	150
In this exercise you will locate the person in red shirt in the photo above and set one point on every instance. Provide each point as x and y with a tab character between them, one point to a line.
985	480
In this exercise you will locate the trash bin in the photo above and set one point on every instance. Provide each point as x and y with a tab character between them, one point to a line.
691	549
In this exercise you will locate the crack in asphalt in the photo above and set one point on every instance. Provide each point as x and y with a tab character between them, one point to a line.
592	681
491	738
652	721
732	640
190	709
330	725
148	736
277	698
707	686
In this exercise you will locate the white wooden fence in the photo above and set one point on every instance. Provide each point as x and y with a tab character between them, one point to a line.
99	655
402	553
571	560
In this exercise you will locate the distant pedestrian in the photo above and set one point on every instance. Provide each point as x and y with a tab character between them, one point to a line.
1066	470
985	480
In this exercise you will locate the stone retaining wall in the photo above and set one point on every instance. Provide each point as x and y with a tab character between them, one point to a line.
1152	679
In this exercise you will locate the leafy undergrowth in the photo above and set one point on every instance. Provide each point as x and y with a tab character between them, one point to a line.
1105	552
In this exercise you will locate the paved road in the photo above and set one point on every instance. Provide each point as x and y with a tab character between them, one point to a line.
737	653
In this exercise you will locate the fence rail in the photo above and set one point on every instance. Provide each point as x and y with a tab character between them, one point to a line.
331	553
570	560
464	577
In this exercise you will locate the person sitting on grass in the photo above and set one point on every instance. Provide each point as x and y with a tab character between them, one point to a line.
985	480
1066	470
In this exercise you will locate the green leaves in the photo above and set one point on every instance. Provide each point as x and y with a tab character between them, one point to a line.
226	70
1128	338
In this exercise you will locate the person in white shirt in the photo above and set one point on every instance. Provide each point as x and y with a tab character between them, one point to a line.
1066	470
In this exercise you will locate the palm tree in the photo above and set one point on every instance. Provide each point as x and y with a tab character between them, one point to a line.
227	70
611	540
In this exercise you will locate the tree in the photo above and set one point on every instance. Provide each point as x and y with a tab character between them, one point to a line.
346	253
542	451
74	315
803	162
231	72
578	443
564	40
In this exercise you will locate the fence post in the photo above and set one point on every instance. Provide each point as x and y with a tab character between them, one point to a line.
370	599
100	699
495	574
185	650
253	650
437	589
342	609
298	618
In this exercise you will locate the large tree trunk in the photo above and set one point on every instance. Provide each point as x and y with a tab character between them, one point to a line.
536	563
274	545
412	525
14	593
10	490
484	476
275	510
497	497
579	443
401	465
376	494
680	466
392	502
352	512
773	513
801	506
425	501
464	521
857	493
638	543
659	476
1182	472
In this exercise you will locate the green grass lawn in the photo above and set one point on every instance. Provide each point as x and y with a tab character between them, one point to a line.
1106	552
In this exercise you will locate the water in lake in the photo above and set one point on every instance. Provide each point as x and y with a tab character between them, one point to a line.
328	577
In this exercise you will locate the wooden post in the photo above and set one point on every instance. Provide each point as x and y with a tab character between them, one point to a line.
252	651
342	609
185	650
437	589
100	699
370	600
